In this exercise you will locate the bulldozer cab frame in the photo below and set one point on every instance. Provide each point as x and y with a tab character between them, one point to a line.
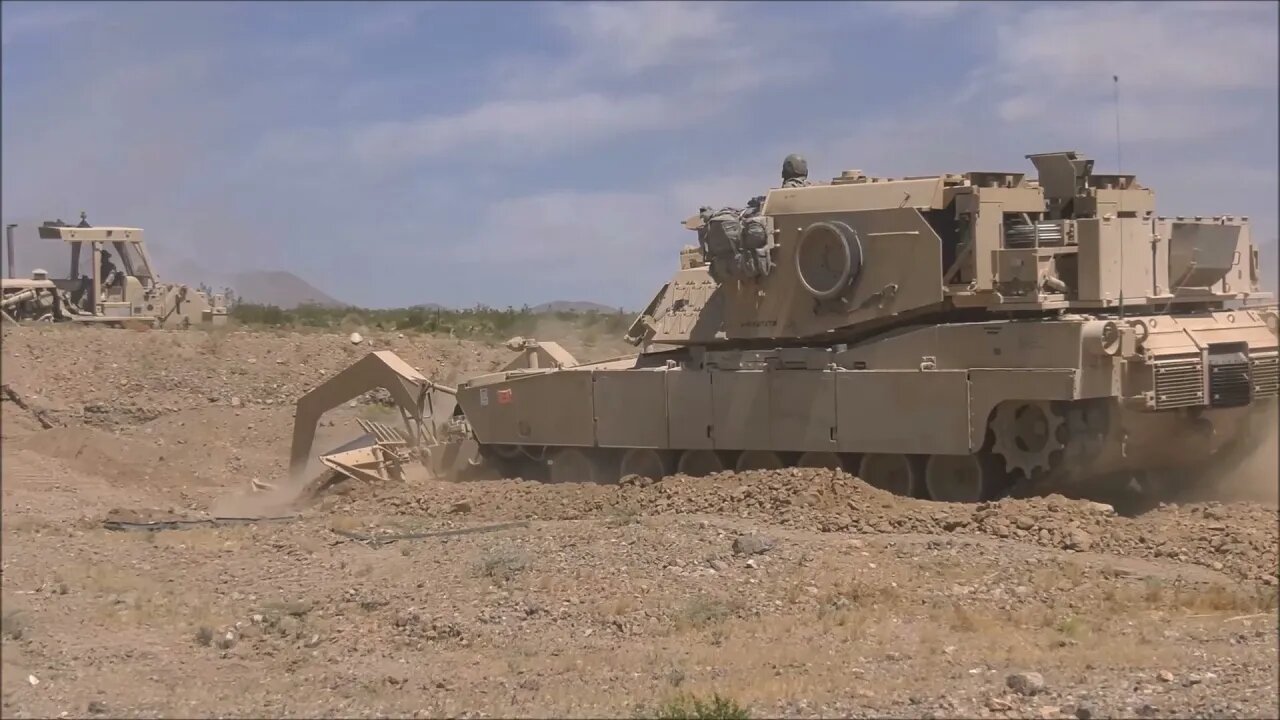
95	290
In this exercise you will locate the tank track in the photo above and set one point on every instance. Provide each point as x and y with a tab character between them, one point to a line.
1032	448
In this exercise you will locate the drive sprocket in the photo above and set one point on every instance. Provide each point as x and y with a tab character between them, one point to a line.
1027	434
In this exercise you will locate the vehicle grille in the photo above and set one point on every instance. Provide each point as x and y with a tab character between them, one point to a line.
1178	383
1022	235
1229	385
1266	378
1229	381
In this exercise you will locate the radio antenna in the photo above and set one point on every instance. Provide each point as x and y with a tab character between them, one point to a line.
1115	81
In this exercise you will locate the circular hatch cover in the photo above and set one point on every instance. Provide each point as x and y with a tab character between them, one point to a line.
828	258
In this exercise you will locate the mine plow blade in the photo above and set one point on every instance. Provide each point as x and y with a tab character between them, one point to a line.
436	432
382	460
430	435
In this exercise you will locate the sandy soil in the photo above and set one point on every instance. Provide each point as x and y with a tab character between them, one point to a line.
791	593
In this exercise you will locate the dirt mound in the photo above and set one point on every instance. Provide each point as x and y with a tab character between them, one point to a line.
1237	538
97	452
139	377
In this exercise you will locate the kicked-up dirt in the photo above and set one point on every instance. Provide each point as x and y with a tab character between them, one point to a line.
795	593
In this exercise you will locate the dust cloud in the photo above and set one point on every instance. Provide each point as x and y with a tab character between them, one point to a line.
286	498
1257	476
1251	476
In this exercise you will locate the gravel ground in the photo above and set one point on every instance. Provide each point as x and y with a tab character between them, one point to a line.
794	593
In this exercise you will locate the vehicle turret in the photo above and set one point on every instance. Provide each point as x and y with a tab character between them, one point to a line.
861	254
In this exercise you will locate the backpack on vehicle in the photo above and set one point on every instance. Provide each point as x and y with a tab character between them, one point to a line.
736	243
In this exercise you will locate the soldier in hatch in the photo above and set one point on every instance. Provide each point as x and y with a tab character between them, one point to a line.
795	172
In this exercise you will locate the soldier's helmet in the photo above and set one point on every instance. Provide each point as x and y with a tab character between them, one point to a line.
794	167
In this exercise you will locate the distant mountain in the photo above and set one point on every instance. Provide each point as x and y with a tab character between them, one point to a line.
573	306
189	272
282	289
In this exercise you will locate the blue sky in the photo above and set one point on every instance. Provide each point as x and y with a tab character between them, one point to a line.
503	153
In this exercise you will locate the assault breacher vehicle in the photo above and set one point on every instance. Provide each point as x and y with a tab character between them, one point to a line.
944	337
106	294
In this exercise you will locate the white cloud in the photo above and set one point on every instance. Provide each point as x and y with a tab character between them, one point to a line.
921	9
617	247
261	168
381	20
630	67
632	37
732	188
565	227
29	22
1054	64
614	247
1025	104
512	127
1198	94
562	225
1198	104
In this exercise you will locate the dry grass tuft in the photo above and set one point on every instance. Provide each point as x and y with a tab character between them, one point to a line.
622	516
504	564
1155	594
703	612
15	624
1073	627
617	606
858	594
1219	598
687	707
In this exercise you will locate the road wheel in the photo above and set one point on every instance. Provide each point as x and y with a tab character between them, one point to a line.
828	460
962	478
646	462
758	460
574	465
898	474
699	463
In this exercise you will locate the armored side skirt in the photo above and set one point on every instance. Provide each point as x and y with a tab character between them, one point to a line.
857	411
1171	396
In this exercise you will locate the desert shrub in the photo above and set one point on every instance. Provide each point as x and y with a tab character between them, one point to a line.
480	322
691	707
14	625
253	314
